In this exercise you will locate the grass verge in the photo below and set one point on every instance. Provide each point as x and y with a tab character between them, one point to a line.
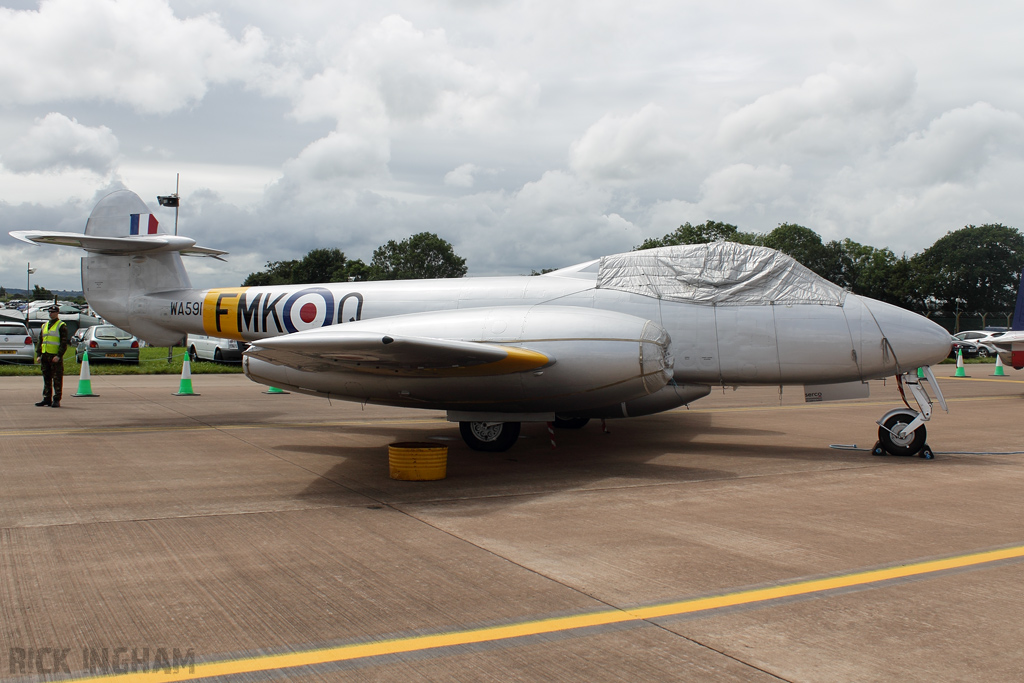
152	361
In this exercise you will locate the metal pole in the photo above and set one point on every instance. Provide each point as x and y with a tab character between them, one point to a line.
177	184
28	287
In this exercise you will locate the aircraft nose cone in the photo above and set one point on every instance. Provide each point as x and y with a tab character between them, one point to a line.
915	340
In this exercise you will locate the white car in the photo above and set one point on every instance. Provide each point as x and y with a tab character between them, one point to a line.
979	338
201	347
16	344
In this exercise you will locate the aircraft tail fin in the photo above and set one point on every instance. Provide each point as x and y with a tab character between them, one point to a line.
128	256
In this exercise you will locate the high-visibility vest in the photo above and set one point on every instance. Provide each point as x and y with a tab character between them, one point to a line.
51	337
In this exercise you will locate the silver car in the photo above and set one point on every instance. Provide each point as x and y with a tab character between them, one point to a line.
16	345
106	342
978	338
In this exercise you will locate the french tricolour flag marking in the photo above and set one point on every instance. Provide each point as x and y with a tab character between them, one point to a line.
143	224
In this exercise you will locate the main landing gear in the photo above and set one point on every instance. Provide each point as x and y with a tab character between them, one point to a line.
902	431
492	437
495	437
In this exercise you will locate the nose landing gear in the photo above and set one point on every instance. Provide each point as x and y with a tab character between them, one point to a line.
902	431
895	439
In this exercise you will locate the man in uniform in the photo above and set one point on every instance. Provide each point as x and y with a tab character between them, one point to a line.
53	342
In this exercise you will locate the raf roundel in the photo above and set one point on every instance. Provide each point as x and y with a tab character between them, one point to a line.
308	309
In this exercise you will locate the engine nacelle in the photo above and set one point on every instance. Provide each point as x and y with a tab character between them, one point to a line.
593	358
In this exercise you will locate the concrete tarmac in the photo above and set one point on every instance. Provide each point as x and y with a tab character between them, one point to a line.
259	537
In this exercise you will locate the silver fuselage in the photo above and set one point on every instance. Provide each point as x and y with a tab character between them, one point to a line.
734	344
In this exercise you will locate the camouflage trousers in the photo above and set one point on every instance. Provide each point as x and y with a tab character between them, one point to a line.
53	378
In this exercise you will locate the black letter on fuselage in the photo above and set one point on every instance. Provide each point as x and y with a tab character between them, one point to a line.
218	311
248	313
359	306
269	308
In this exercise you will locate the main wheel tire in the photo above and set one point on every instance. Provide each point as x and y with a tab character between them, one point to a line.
911	444
570	422
192	355
491	437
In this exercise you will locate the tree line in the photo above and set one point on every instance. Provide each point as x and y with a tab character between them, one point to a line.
424	255
975	269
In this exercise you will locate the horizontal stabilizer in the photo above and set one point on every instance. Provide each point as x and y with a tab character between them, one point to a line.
399	356
135	244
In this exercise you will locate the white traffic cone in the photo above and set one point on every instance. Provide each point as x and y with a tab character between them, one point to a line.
1000	372
85	380
959	364
185	388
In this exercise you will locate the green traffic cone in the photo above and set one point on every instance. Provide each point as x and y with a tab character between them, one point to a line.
275	390
1000	372
960	364
85	380
185	388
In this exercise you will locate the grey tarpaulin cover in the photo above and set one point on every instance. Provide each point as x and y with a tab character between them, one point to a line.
720	274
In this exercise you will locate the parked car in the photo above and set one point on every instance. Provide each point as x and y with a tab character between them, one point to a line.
77	336
201	347
106	342
966	348
977	338
16	345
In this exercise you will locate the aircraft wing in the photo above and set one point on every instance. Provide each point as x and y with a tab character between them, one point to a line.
136	244
394	355
1004	340
1011	343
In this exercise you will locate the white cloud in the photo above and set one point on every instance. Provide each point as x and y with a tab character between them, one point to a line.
743	186
961	167
133	52
57	143
630	147
588	126
829	111
461	176
342	154
957	145
557	220
392	69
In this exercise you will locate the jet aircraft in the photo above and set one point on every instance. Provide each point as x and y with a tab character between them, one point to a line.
622	336
1010	344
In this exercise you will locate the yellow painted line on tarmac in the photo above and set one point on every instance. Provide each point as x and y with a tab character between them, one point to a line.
216	428
558	624
1002	379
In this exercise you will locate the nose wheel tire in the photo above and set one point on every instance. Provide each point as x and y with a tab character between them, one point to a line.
909	444
491	437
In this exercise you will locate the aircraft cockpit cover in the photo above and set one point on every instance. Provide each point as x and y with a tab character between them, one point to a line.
717	274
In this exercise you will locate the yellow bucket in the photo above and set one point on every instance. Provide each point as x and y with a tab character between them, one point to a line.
411	461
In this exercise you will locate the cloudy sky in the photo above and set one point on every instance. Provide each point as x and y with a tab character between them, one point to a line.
529	134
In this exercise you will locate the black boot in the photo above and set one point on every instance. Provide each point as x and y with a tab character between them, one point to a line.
55	404
44	402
